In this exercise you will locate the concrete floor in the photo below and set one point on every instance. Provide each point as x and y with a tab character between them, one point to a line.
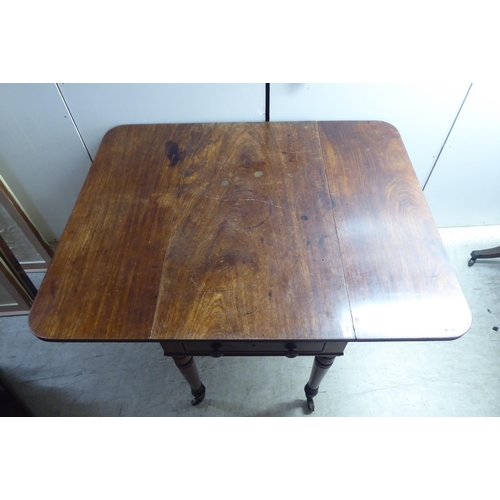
456	378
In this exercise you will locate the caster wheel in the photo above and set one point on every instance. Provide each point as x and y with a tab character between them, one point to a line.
310	393
471	262
199	395
310	405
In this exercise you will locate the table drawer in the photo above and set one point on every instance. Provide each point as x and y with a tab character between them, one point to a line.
217	348
257	347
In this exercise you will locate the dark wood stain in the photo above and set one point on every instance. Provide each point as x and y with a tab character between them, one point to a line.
210	251
218	288
173	152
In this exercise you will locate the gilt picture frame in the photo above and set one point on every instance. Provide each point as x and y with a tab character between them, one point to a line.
20	233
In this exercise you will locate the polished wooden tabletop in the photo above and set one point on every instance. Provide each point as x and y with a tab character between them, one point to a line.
251	231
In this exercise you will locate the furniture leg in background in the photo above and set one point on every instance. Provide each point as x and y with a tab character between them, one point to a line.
489	253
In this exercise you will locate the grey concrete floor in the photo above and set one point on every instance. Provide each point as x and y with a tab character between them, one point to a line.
455	378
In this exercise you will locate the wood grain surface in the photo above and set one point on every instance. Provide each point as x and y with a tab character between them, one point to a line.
103	281
255	231
253	252
400	281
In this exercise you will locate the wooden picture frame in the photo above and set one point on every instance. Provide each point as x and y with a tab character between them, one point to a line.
15	210
22	300
15	284
10	261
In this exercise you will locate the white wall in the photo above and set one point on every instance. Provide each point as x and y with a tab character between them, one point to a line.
97	108
423	113
41	156
43	159
464	189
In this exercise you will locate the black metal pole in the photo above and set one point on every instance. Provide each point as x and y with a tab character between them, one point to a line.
268	102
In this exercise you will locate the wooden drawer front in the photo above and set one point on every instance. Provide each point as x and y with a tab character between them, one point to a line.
217	348
235	348
270	347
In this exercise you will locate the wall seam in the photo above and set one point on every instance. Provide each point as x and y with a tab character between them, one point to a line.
73	121
447	137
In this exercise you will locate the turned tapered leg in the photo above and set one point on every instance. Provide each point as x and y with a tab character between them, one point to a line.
320	368
187	367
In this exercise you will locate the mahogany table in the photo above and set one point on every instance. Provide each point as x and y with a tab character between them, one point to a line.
288	238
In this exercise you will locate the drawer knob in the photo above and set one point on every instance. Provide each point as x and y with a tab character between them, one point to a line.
291	353
216	353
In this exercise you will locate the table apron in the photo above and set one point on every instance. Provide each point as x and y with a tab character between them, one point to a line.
217	348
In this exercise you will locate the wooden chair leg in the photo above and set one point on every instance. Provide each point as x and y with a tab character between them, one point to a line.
489	253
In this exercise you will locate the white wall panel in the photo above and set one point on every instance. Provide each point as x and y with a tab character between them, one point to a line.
423	113
464	189
96	108
41	155
45	163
